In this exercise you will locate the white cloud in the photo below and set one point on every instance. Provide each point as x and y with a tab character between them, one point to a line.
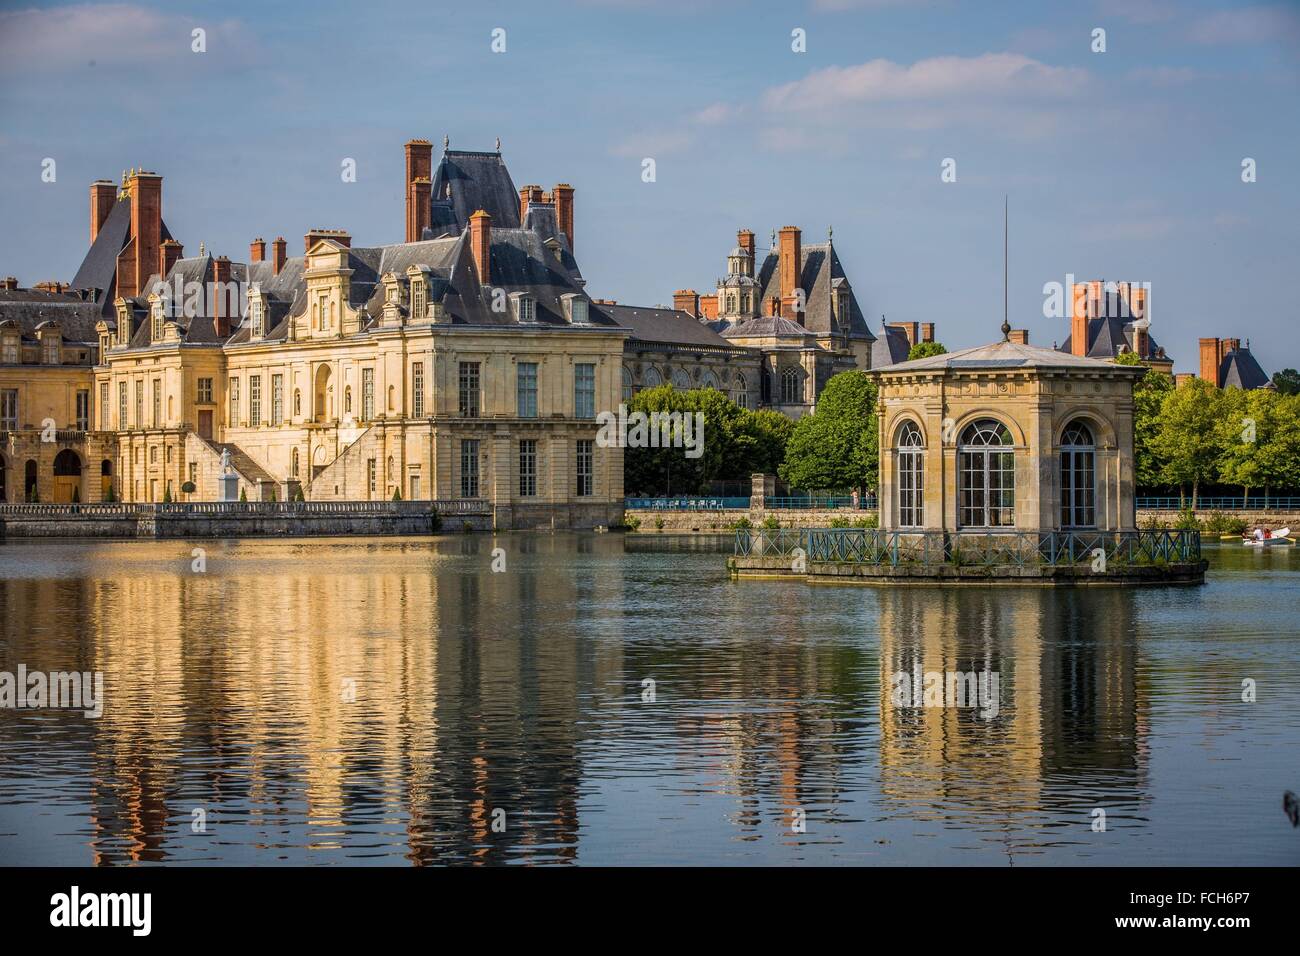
936	79
108	34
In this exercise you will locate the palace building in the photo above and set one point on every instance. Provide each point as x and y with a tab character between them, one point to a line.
1108	319
465	362
1006	437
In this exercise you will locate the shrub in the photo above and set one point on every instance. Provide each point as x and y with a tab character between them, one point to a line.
298	495
109	496
1220	523
770	523
841	522
243	494
1154	524
659	523
1187	521
397	494
632	522
867	521
741	524
167	495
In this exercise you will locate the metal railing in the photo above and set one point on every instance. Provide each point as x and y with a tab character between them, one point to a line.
992	549
452	506
821	503
1221	503
737	502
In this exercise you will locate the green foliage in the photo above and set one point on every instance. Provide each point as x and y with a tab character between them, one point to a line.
1287	382
1128	358
1149	394
273	496
243	494
298	495
925	350
771	523
835	447
1260	435
736	443
659	523
167	495
741	524
1220	523
1187	521
110	496
1189	440
397	494
631	522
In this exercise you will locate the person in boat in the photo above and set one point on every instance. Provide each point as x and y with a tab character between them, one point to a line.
1268	533
1259	533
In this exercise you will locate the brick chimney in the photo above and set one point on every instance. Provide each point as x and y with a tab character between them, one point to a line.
687	300
139	258
102	196
709	306
1211	356
745	239
278	254
419	179
1019	336
221	307
563	197
257	250
910	329
170	251
9	283
791	265
529	195
480	245
1081	305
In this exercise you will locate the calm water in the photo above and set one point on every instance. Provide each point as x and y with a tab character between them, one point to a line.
522	691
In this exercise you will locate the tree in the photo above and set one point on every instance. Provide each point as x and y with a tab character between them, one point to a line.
1287	381
1128	358
397	494
835	447
1148	396
925	350
1260	433
1189	437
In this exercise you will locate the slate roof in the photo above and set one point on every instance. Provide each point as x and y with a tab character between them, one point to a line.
820	267
471	181
891	346
1008	355
665	326
766	325
1112	332
98	269
1241	370
29	308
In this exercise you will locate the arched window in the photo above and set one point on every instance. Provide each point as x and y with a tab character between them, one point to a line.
297	402
708	381
681	380
790	387
911	471
740	391
651	377
1078	477
987	475
627	385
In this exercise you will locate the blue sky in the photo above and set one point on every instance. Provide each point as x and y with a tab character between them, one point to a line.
1121	165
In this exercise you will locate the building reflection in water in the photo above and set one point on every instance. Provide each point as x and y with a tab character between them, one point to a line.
366	699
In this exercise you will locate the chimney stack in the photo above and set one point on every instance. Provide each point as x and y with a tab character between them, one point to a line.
1081	307
278	254
563	197
102	196
480	245
1019	336
745	239
257	250
1211	357
529	195
220	298
170	251
314	236
687	300
791	266
927	332
419	180
9	283
138	260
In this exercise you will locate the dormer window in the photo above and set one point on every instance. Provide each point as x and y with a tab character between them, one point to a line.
575	308
419	299
525	308
257	316
123	324
10	354
50	344
156	320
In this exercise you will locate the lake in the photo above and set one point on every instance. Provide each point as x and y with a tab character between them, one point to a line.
605	699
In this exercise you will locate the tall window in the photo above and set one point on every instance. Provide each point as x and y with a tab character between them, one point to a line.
586	466
419	299
83	409
156	323
205	390
468	405
367	394
121	405
9	409
790	387
527	467
257	317
527	389
234	402
51	350
157	402
584	391
417	390
987	474
277	399
139	403
741	390
370	475
1078	477
911	501
469	468
10	350
254	400
627	385
104	423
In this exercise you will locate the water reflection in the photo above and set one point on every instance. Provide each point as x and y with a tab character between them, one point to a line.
398	700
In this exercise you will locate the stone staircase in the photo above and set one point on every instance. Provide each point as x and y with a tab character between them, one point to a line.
254	480
345	478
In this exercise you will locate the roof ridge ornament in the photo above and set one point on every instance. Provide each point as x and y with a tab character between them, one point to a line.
446	142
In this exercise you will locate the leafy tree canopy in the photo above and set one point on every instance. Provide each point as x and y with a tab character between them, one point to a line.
836	446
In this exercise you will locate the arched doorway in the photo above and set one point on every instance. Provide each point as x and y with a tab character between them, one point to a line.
67	476
322	410
105	479
987	475
1078	477
29	480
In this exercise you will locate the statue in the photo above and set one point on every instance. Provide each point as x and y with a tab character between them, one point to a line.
225	461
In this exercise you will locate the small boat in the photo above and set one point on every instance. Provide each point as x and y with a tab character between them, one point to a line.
1280	536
